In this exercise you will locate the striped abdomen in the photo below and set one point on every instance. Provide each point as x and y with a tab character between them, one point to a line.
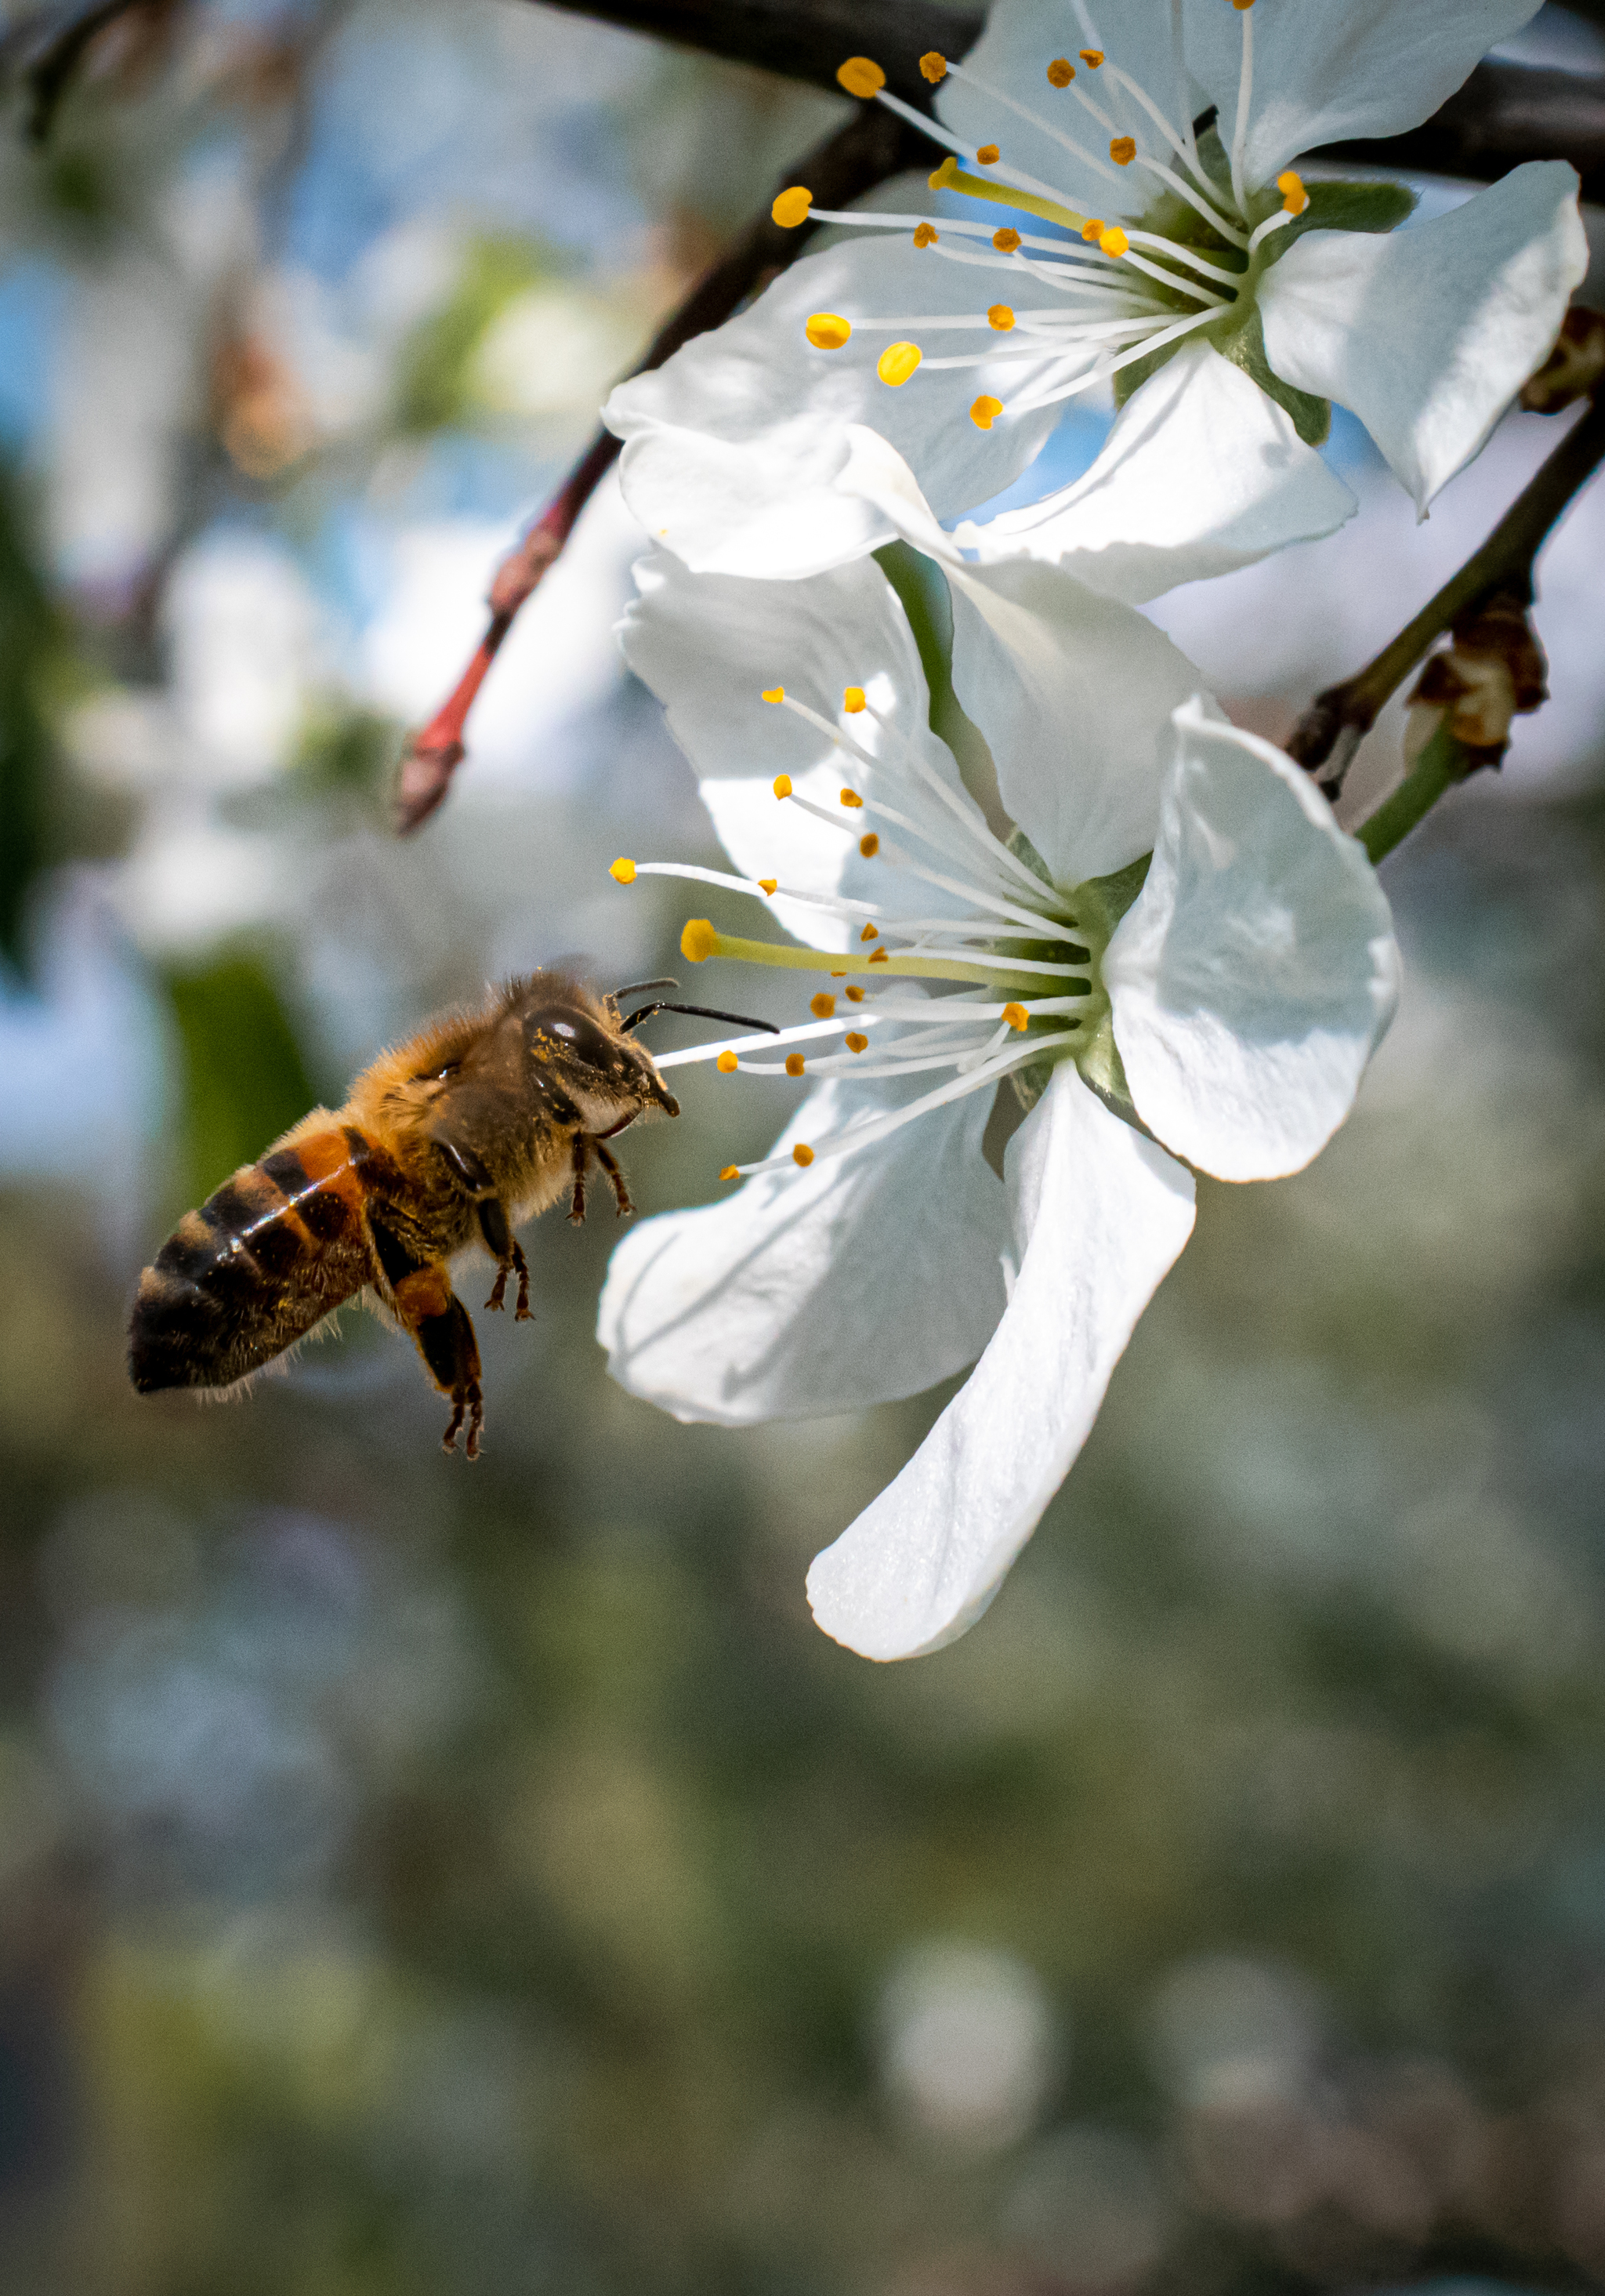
264	1259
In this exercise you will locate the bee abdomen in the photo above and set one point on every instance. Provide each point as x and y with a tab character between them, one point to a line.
267	1256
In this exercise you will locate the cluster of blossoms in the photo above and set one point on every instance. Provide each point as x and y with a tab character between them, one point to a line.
1176	960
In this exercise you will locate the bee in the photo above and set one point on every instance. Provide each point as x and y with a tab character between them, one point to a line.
475	1125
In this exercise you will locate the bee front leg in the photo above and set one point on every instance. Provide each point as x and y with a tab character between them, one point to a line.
582	1157
609	1165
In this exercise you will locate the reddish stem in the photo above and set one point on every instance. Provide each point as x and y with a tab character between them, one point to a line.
433	756
872	146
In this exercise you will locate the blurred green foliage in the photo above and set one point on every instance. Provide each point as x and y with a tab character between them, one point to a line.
244	1077
433	379
30	633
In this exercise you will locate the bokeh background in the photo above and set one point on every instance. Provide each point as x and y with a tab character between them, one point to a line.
425	1881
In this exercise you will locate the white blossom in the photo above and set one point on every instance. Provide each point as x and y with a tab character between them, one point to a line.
1228	1008
1107	238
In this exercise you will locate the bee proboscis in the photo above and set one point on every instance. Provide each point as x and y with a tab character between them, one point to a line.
473	1126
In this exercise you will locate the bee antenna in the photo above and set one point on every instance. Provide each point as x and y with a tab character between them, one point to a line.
702	1012
640	987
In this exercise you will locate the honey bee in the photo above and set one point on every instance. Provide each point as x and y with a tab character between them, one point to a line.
459	1135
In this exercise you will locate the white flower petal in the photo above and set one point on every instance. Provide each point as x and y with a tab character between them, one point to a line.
853	1282
1202	474
1255	974
1073	691
1428	333
1100	1214
1338	69
708	645
1073	694
1021	39
732	447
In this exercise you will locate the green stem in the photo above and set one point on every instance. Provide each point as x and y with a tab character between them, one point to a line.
1444	760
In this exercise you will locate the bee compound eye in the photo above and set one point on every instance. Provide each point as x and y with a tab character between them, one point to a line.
565	1028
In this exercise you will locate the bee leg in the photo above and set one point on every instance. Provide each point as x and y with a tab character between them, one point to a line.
498	1240
520	1313
609	1165
421	1293
582	1155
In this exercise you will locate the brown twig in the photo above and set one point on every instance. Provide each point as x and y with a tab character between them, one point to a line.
872	146
1331	729
1505	112
805	39
52	68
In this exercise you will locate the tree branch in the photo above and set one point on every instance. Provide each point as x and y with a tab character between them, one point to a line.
1504	113
872	146
1332	727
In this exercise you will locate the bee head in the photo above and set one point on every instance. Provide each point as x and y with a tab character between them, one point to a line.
579	1041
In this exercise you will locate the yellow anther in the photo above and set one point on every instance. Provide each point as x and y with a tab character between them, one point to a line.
730	1172
768	884
794	1064
698	941
840	975
985	411
1091	57
869	933
1242	6
851	797
852	700
1113	239
1000	318
945	174
1016	1015
1094	228
860	76
622	871
856	1042
1295	199
1006	240
926	234
855	996
792	208
869	845
823	1005
878	956
1061	71
933	66
775	694
782	782
827	331
802	1155
727	1064
989	155
898	362
1123	150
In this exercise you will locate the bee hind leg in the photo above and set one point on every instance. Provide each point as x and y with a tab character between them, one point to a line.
426	1306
